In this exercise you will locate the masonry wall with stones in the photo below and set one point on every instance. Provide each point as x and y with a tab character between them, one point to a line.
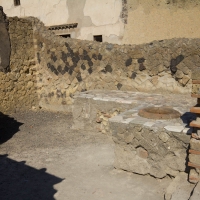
18	90
66	66
50	69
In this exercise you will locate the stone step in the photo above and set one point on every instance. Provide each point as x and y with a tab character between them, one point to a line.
193	165
195	110
195	124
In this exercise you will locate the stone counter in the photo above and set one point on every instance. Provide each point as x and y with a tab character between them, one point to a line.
144	146
147	146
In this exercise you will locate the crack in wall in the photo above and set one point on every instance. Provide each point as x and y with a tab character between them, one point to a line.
124	13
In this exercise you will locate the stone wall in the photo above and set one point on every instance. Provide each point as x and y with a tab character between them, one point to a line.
66	66
18	90
50	69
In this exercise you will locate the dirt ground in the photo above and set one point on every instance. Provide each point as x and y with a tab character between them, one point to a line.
42	158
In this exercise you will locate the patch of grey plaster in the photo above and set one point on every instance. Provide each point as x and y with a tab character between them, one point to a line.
76	14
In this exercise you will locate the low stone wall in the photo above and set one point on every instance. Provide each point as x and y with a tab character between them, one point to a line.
55	68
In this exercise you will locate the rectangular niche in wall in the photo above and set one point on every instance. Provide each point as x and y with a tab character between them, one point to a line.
16	2
98	38
66	36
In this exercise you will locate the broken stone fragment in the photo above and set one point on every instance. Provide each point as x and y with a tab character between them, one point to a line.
179	188
164	136
142	152
179	74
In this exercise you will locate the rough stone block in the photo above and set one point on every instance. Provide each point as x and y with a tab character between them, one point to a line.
179	188
195	144
194	159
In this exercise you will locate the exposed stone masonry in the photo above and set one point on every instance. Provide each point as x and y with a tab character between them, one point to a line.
18	90
65	66
142	145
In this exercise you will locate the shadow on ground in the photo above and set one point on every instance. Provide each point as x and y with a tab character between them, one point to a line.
21	182
8	127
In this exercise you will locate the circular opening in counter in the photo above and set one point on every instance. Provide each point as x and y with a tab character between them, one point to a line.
159	113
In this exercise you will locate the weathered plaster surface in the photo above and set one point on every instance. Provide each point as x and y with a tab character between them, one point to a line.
99	17
162	19
103	12
50	12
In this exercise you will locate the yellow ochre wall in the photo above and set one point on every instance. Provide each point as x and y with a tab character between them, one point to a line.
150	20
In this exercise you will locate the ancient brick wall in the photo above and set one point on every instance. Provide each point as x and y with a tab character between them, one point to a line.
18	90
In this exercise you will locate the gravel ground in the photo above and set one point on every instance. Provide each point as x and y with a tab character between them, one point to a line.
42	158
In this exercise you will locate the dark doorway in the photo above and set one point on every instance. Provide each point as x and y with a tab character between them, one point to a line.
98	38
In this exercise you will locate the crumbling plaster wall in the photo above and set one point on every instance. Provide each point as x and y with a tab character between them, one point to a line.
99	17
118	21
161	19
